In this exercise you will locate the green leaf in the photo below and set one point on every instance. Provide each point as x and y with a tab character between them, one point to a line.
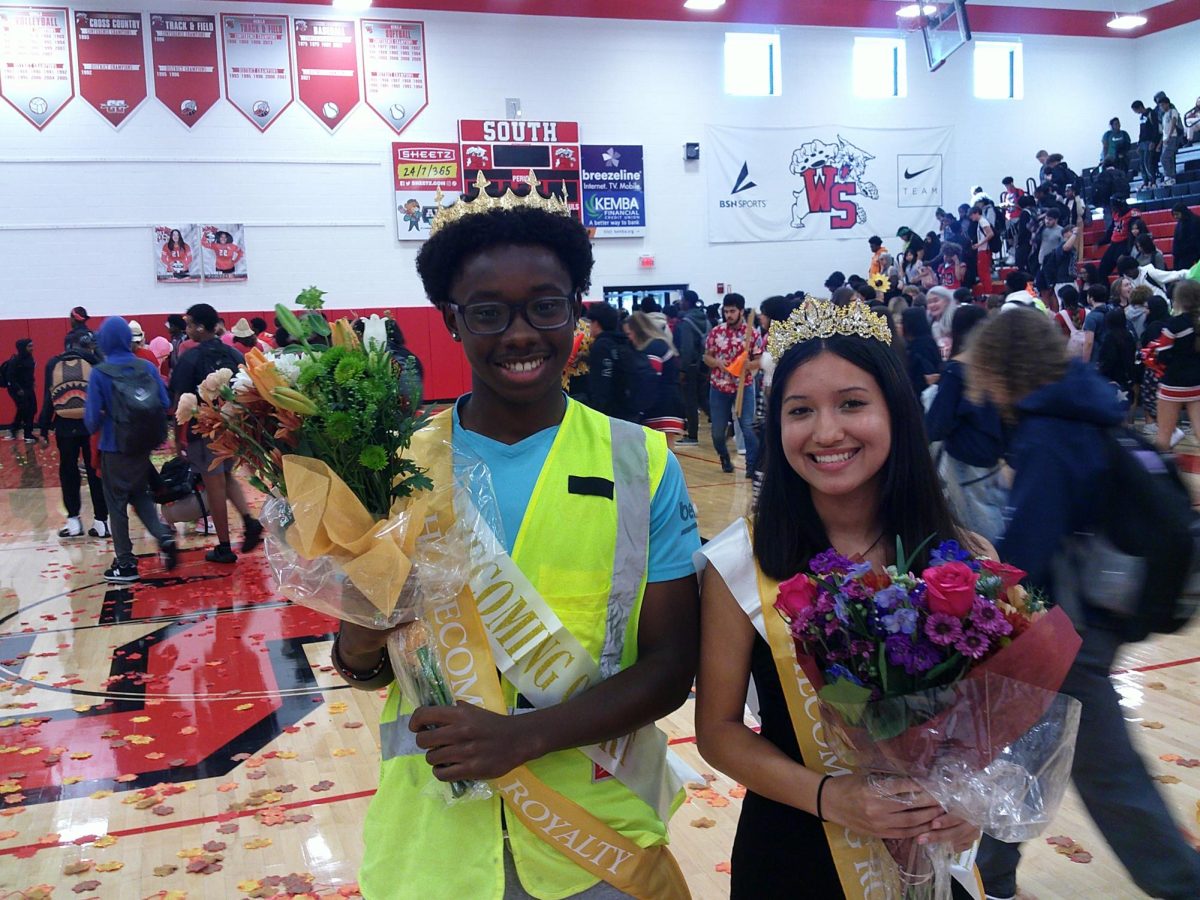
288	321
310	298
934	676
847	698
316	324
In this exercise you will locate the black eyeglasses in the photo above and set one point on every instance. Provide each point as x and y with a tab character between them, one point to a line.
494	317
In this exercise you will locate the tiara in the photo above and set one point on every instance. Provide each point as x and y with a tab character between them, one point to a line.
815	318
485	202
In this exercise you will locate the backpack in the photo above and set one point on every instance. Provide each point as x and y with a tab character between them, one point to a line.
215	355
68	385
139	420
177	480
1142	563
637	382
1077	340
997	238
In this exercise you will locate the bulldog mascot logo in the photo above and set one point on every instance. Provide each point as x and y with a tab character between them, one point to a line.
833	177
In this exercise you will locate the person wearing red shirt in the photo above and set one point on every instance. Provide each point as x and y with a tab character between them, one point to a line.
951	270
177	255
139	345
227	252
723	345
1117	237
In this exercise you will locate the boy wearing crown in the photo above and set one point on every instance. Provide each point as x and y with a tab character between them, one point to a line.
581	638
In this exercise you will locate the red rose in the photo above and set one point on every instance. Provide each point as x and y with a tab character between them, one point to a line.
796	595
1010	576
950	588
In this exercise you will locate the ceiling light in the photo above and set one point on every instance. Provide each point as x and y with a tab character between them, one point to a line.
912	10
1126	22
352	5
703	5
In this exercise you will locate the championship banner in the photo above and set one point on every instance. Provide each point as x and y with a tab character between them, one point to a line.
183	49
112	63
223	252
327	68
177	254
258	66
394	74
614	190
505	150
420	171
35	50
821	183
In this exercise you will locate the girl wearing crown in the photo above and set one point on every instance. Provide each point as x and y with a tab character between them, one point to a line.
590	593
846	465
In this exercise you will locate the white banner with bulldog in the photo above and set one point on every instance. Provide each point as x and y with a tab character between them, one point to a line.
823	183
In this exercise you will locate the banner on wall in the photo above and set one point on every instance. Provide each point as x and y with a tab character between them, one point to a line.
177	254
223	252
258	66
184	53
614	190
507	149
35	77
327	68
420	171
112	63
394	73
833	182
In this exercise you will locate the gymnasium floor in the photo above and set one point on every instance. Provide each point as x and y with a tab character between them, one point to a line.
186	737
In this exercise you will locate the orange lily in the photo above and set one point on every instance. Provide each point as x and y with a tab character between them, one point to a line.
263	373
343	335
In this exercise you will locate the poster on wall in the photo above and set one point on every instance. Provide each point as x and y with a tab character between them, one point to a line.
177	254
223	252
821	183
258	66
614	190
421	170
184	53
112	63
507	149
394	74
327	68
35	77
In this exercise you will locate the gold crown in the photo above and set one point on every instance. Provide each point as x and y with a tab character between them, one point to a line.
821	319
485	202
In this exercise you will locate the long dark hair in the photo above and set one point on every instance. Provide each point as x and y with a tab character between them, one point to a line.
172	245
965	318
787	530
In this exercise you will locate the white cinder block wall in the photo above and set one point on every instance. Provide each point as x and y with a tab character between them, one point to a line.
77	200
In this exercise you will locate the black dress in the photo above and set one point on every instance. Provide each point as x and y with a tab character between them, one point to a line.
779	851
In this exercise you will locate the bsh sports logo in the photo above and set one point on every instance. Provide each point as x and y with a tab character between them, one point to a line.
743	183
833	175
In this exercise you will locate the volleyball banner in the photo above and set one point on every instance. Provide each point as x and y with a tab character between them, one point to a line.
36	76
394	75
258	66
112	63
177	254
327	68
183	49
832	182
223	256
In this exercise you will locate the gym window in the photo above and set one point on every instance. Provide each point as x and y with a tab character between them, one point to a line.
880	68
999	71
752	64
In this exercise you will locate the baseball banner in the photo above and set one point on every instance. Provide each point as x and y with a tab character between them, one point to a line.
614	190
177	254
420	171
223	256
394	74
508	149
183	49
35	77
327	68
258	66
833	182
112	63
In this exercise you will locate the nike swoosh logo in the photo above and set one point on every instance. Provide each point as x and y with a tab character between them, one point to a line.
908	174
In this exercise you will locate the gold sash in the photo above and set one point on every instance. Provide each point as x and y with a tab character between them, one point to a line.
648	873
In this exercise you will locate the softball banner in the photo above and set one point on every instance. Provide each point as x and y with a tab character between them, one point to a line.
832	182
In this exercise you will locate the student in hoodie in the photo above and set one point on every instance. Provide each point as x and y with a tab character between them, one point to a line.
125	475
63	406
1058	410
969	460
606	383
19	372
690	332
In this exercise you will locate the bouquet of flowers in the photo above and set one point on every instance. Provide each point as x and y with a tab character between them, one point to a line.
948	678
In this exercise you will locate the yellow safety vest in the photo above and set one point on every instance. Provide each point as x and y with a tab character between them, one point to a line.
417	846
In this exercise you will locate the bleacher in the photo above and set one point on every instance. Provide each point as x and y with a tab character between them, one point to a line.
1158	219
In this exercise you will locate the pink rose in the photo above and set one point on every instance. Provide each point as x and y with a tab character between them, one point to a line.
950	588
1010	576
796	596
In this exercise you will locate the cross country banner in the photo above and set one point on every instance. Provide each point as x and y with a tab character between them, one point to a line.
831	182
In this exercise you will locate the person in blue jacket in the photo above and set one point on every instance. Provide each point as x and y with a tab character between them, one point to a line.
969	461
1059	410
125	475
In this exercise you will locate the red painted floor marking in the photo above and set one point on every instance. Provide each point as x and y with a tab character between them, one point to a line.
1166	665
203	820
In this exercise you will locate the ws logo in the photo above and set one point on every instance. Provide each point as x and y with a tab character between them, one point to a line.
833	175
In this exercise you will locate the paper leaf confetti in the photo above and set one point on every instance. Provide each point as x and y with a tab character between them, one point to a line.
257	843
